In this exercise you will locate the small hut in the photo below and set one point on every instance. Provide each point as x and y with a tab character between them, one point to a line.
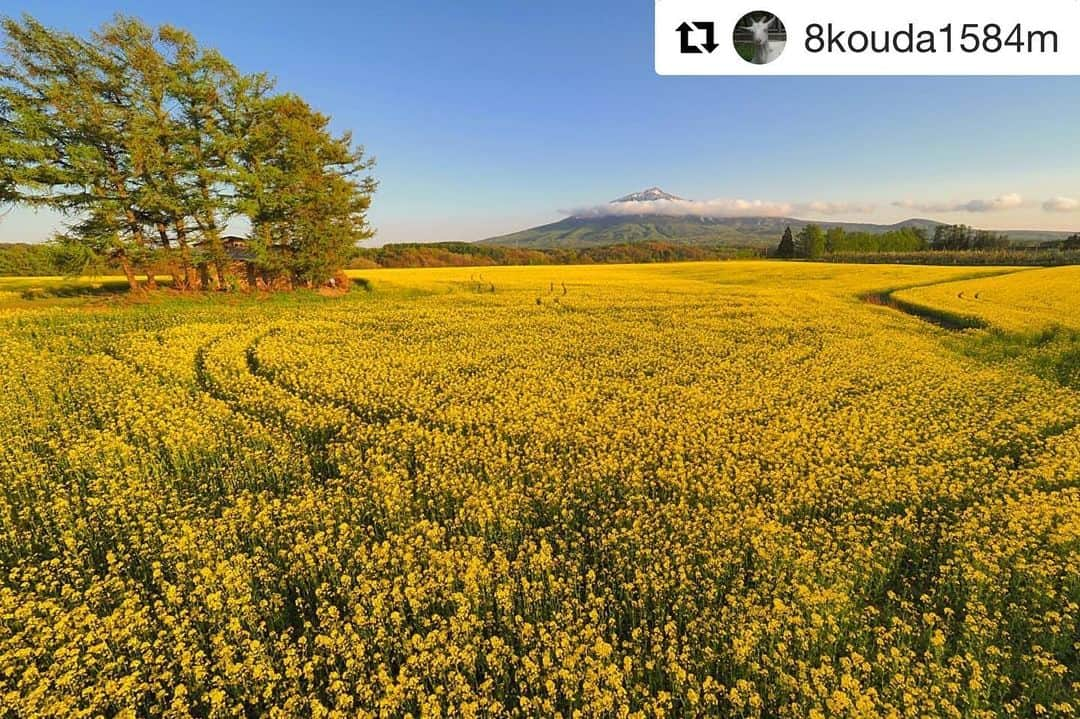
242	263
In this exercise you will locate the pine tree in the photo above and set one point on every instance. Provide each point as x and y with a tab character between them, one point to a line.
155	140
810	242
64	141
835	240
786	248
150	143
305	192
200	84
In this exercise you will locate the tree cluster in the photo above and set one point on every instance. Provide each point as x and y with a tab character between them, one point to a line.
1072	242
903	239
26	260
814	242
962	237
462	254
152	144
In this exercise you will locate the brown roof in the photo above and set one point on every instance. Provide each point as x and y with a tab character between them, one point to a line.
238	251
235	247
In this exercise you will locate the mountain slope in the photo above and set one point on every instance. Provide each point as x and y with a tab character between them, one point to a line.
631	219
740	231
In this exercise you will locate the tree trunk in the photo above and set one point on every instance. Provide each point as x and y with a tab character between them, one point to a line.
133	225
178	279
129	273
191	278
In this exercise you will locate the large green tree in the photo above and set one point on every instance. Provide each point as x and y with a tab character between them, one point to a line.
786	248
810	242
835	239
151	143
65	140
305	190
160	73
200	84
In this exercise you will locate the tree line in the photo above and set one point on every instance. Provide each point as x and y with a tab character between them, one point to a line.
814	241
28	260
22	259
962	237
1072	242
151	145
462	254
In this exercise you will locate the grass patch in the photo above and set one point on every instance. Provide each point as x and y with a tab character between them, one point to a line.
1053	353
942	318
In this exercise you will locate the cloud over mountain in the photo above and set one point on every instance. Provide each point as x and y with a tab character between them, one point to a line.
1009	201
1062	204
656	202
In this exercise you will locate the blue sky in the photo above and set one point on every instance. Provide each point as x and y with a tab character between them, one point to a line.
487	117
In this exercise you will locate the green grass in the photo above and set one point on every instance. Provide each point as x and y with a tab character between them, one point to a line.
1053	354
41	291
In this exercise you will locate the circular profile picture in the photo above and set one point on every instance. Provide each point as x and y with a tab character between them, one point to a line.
759	37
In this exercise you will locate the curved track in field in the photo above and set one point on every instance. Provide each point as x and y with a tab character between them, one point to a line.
940	317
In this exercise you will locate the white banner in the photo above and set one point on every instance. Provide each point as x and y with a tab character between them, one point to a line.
856	37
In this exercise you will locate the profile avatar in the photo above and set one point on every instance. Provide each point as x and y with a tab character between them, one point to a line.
759	37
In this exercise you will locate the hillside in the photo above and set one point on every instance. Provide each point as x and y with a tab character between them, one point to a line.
575	232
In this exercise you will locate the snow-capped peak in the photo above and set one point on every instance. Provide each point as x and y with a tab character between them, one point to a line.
652	194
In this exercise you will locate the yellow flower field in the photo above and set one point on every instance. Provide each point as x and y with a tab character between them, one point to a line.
1025	301
720	489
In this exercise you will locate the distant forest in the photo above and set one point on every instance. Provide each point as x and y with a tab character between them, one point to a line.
959	242
26	260
948	245
462	254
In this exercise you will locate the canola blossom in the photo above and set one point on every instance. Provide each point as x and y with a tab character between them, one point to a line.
1014	301
718	489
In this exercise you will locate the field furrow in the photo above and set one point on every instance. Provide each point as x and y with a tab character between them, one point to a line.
700	490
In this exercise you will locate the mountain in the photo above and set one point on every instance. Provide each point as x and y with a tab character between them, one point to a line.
577	232
650	195
1036	237
619	227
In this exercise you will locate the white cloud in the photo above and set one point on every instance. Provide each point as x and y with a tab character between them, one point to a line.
834	208
717	208
1010	201
1061	204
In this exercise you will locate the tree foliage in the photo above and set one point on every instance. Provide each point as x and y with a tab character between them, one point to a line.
150	144
27	260
464	254
810	242
903	239
786	248
815	242
962	237
301	187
